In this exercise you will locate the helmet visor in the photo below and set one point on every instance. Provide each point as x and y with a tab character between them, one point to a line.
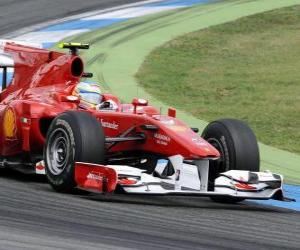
92	98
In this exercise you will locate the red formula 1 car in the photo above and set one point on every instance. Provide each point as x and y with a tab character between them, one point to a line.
130	148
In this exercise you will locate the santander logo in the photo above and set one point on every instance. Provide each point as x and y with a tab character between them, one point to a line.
92	176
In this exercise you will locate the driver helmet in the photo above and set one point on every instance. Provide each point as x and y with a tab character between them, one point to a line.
89	93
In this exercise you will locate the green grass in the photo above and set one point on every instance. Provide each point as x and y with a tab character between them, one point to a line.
247	69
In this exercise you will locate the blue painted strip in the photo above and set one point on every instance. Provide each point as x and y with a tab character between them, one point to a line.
83	24
48	45
290	191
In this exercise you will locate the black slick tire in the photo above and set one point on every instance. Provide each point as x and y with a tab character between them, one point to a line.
72	137
238	147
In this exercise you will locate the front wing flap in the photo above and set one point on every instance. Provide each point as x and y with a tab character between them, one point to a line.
95	178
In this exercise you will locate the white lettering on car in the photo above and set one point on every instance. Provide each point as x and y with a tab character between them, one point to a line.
111	125
162	139
93	176
199	142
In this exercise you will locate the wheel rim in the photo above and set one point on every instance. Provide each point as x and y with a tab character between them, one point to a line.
221	162
58	151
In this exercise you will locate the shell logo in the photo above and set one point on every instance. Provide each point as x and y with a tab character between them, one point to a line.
9	124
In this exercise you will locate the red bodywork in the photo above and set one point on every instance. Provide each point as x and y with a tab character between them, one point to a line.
42	83
95	177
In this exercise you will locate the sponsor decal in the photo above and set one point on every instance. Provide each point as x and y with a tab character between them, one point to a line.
111	125
88	179
199	141
9	124
162	139
94	176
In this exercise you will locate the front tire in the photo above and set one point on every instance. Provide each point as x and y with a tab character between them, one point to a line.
238	147
72	137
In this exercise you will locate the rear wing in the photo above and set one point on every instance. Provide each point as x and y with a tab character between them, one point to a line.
38	67
6	60
24	43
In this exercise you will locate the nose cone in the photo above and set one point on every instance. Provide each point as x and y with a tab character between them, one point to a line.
202	148
181	139
195	146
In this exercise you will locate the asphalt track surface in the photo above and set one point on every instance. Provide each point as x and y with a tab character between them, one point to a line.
15	14
32	216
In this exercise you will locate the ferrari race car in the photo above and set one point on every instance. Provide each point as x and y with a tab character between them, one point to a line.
130	148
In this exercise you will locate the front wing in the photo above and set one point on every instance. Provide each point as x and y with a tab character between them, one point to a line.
188	179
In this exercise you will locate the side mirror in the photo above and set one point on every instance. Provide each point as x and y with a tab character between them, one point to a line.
138	102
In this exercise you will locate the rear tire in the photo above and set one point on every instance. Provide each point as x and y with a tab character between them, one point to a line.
72	137
238	147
